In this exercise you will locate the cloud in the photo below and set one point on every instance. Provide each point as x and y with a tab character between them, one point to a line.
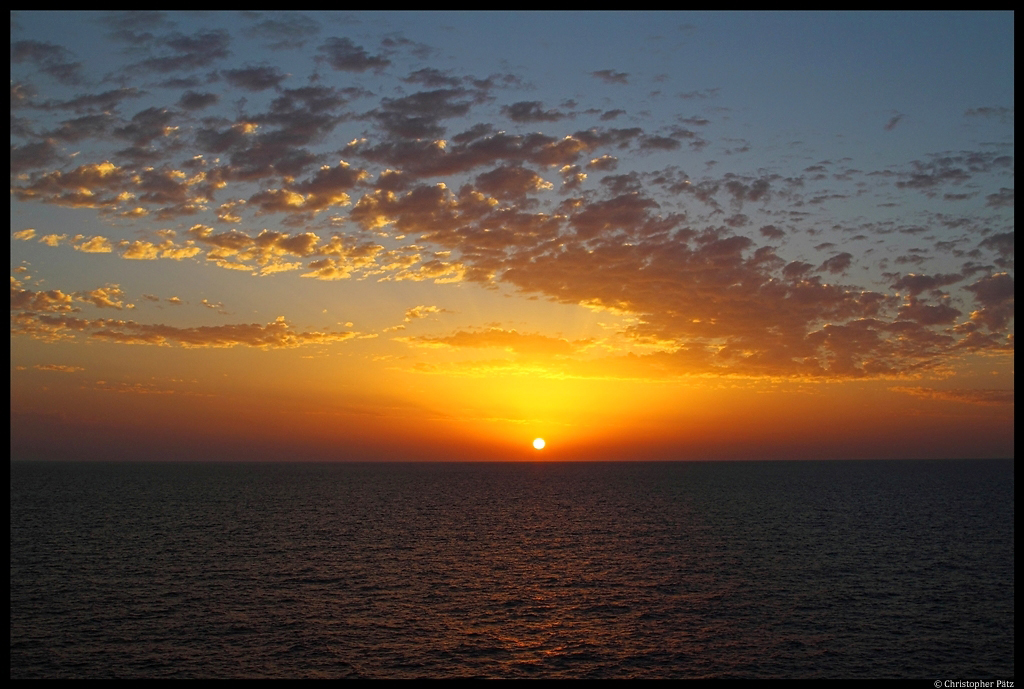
275	335
94	185
1001	199
893	121
1000	112
52	239
148	251
994	294
914	284
939	170
108	297
254	78
105	101
50	59
284	30
928	314
53	301
58	368
433	158
135	27
84	127
701	94
531	111
610	76
418	115
1002	244
719	270
524	344
93	245
510	182
32	156
422	311
839	263
605	163
132	388
191	100
183	52
967	396
344	55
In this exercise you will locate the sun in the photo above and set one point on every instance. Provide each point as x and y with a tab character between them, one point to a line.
538	443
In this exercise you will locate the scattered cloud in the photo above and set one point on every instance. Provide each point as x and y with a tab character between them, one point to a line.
966	396
610	76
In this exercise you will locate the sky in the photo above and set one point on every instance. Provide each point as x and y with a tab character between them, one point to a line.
438	236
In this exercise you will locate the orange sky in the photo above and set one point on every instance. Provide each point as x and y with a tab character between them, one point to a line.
379	237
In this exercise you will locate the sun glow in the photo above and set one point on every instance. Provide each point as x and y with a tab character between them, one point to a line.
538	443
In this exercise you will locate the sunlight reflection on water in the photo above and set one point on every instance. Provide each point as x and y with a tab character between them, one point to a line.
763	569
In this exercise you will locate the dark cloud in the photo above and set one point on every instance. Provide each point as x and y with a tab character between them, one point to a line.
659	143
344	55
702	94
995	296
623	184
1001	112
1001	199
606	163
396	41
628	212
475	132
22	95
284	30
254	78
327	187
610	76
1001	243
914	284
531	111
146	125
418	116
510	182
747	189
32	156
425	158
319	99
432	78
201	49
893	121
190	100
50	59
105	101
84	127
928	314
136	27
945	169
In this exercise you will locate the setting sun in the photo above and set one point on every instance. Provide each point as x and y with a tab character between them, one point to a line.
538	443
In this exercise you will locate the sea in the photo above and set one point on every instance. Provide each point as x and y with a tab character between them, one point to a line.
783	569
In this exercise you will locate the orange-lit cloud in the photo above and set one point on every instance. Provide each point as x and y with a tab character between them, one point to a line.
519	217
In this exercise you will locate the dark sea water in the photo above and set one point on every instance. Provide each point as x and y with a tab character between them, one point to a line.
727	569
